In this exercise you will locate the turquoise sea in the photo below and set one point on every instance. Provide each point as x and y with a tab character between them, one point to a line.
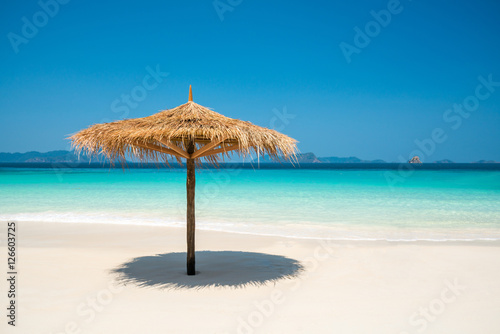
359	204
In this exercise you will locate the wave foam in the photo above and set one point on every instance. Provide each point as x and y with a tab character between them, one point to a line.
340	232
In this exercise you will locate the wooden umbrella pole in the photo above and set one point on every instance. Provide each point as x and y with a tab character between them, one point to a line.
190	185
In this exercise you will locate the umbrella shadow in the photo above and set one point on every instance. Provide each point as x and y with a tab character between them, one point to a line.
215	269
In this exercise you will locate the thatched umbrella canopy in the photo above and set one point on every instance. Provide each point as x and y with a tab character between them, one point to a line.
189	131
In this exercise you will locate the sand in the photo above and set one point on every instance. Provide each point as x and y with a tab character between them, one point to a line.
96	278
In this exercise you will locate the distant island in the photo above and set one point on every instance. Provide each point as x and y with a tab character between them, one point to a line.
50	157
312	158
63	156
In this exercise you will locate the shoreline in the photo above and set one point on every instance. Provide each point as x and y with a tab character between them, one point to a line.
216	233
204	226
68	282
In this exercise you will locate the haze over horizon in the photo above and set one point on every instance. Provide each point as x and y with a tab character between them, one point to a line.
371	79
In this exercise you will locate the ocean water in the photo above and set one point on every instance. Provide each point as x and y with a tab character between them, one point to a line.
352	204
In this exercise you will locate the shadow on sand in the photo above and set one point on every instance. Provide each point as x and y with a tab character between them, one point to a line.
214	269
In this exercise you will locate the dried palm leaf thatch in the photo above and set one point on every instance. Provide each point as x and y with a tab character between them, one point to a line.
169	133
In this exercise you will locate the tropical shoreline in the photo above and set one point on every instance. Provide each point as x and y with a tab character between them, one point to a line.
66	282
321	232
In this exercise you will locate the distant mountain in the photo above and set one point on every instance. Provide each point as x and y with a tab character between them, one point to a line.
338	160
444	161
301	158
52	157
312	158
348	160
307	158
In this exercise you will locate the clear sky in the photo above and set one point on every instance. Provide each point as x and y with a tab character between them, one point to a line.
370	79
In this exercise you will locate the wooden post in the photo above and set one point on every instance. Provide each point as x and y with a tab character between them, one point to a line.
190	184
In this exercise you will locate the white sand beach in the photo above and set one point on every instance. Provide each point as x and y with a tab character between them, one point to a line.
67	283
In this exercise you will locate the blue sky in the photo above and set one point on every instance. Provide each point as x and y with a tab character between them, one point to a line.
275	63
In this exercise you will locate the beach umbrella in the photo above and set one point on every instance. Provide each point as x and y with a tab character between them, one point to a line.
189	131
